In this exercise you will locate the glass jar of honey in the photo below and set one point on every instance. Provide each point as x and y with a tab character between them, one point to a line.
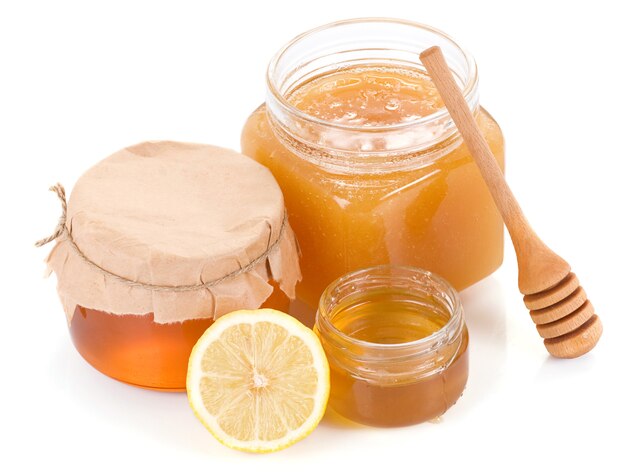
396	343
371	165
157	241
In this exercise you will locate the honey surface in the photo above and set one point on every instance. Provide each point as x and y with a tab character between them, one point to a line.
386	318
438	216
368	96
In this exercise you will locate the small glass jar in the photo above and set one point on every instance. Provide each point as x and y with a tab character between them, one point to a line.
396	343
405	193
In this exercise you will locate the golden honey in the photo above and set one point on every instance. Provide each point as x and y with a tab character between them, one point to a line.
396	344
371	166
136	350
369	95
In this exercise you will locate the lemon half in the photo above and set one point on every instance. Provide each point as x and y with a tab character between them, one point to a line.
258	380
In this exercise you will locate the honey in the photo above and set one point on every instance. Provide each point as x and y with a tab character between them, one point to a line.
396	344
386	316
136	350
371	166
369	95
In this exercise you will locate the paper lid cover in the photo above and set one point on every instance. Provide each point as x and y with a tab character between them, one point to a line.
176	229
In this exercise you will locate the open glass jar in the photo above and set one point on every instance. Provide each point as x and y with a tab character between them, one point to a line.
371	165
396	343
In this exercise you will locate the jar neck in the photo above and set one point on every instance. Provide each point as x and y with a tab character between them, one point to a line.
346	148
392	361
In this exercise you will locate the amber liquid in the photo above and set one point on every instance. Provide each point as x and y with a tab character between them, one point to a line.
439	217
368	96
136	350
405	391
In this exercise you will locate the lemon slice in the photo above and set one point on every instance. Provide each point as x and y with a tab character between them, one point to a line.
258	380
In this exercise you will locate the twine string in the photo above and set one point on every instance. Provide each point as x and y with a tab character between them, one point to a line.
60	228
61	231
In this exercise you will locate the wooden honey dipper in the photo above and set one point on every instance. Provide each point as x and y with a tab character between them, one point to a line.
558	304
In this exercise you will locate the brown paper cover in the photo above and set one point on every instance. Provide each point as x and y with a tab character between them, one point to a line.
166	214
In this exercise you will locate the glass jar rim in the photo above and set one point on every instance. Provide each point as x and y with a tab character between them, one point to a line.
469	88
453	325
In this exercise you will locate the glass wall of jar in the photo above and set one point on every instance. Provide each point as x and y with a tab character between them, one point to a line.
396	343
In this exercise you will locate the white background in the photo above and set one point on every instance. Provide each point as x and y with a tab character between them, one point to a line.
78	81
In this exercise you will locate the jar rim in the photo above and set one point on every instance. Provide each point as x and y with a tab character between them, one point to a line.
452	326
468	90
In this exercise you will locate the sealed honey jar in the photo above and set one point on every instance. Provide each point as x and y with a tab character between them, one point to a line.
396	343
158	240
371	165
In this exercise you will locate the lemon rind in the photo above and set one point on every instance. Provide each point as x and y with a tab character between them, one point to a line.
294	327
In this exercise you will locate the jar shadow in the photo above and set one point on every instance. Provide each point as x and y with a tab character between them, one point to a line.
485	316
161	416
334	420
554	369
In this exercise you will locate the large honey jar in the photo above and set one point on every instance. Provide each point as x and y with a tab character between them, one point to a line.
372	168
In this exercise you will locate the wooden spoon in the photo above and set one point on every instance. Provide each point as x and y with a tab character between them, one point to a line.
557	304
